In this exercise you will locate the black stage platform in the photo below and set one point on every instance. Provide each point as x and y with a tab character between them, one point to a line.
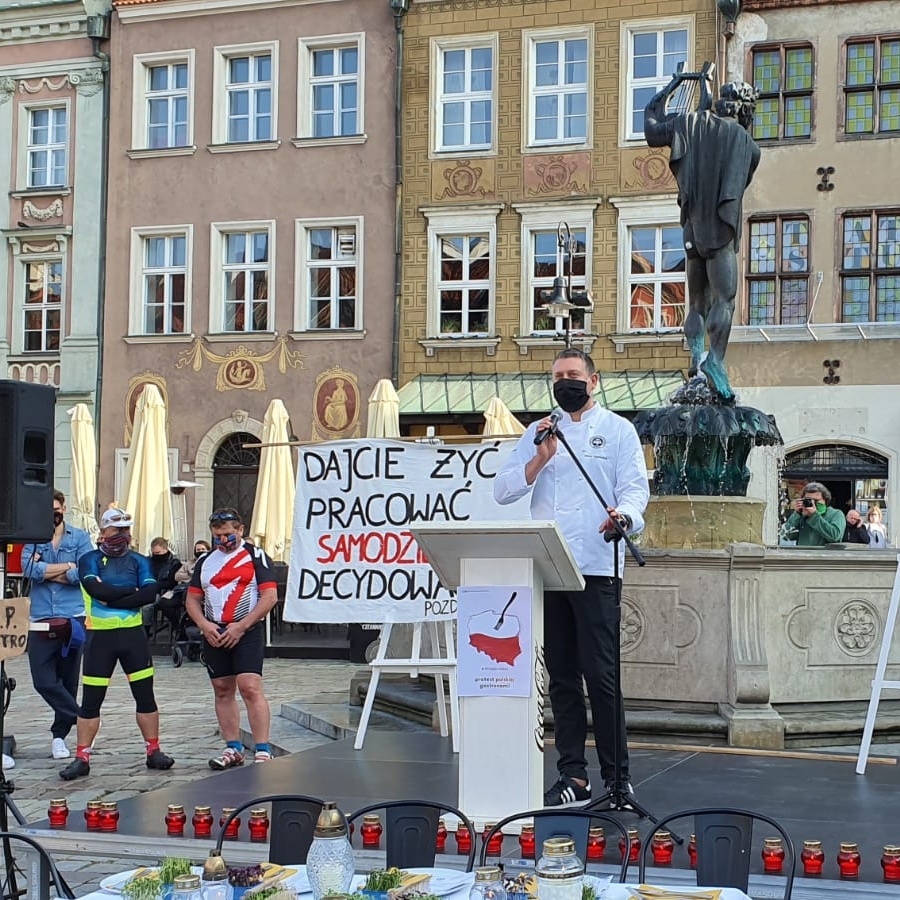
813	798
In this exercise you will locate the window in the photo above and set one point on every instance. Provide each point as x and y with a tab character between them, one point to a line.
870	269
163	280
167	105
43	305
657	282
246	101
47	150
546	263
464	93
654	54
243	291
464	284
558	87
330	90
872	86
330	271
778	271
784	78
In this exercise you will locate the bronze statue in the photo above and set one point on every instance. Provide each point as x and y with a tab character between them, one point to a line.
713	159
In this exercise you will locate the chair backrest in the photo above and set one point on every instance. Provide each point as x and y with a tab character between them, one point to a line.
292	821
410	833
724	836
49	874
573	823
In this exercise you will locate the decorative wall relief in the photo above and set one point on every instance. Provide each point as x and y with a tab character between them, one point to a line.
336	405
241	368
462	179
856	627
649	170
53	211
136	385
557	174
86	81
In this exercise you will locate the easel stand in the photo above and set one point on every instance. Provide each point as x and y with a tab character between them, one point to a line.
879	683
441	662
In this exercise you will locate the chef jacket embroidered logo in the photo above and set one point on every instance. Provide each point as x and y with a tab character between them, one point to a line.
598	442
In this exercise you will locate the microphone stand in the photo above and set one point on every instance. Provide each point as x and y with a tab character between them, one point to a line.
616	798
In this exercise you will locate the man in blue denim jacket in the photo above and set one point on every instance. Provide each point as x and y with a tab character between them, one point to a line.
56	600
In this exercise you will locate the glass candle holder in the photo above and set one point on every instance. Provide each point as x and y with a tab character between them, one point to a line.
109	815
202	820
371	831
258	825
463	839
176	819
234	827
495	845
92	815
692	851
635	853
596	845
813	858
848	860
662	847
57	813
773	855
890	862
440	842
527	841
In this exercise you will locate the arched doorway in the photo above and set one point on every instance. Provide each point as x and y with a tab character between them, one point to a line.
235	469
856	477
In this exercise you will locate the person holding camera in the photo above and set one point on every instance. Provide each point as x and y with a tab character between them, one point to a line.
814	523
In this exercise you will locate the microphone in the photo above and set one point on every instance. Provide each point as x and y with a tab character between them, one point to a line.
542	436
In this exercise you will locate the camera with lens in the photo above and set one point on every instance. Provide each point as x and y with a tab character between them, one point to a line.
808	502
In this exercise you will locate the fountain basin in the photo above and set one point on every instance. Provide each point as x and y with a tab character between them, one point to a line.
702	523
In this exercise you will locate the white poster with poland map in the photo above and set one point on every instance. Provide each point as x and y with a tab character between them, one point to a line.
494	641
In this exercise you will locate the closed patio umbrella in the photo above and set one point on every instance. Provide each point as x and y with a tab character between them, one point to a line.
273	508
146	494
384	411
499	421
81	503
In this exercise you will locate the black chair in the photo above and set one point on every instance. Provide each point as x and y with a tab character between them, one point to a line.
48	873
292	821
573	823
410	831
724	835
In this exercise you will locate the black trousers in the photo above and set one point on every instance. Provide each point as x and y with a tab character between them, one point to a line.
581	631
55	678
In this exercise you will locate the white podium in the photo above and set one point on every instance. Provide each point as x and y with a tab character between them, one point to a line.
501	749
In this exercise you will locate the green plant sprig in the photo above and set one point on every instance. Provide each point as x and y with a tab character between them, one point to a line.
146	886
381	880
173	866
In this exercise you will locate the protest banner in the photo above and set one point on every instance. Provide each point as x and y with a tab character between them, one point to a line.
353	558
14	627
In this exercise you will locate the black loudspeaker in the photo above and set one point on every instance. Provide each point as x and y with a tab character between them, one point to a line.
26	461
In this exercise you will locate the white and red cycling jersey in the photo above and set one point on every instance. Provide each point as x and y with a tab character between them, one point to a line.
229	583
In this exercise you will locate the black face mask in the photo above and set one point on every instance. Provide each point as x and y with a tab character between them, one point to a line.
57	519
198	553
571	394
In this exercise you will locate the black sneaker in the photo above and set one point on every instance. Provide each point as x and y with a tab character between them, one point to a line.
567	792
159	760
78	768
625	790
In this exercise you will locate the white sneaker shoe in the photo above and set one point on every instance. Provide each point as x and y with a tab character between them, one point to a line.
8	762
59	750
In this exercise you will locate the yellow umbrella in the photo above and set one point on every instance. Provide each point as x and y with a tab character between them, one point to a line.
147	493
82	500
384	411
499	421
273	508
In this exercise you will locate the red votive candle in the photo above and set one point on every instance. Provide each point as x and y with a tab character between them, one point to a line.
370	831
57	813
495	844
662	847
692	851
596	845
109	815
258	825
176	819
440	843
234	827
202	820
813	857
463	839
527	842
92	815
772	855
848	860
635	854
890	862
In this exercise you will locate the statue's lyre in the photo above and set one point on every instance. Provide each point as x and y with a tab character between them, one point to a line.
693	91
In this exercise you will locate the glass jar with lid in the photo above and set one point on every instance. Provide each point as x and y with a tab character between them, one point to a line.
186	887
488	884
560	873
